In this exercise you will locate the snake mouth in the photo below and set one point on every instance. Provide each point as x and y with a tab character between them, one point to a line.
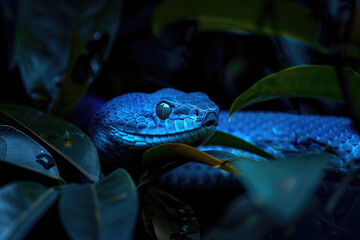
206	131
194	136
211	119
211	123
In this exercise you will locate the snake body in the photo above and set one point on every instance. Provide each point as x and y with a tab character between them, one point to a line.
129	124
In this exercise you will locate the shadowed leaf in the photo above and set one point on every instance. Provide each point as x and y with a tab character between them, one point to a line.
22	204
301	81
170	217
284	186
242	217
50	36
85	168
9	15
11	173
84	63
104	210
278	17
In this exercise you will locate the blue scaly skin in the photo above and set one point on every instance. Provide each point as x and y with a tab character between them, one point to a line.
128	125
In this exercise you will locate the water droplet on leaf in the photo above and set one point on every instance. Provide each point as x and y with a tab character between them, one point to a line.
46	161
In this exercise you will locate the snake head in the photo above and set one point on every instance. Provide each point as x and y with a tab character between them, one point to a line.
139	121
189	118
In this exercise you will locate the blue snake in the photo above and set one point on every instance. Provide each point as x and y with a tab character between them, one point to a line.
127	125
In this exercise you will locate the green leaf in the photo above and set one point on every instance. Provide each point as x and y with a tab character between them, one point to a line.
284	186
165	157
227	158
227	140
277	17
104	210
22	204
301	81
50	36
74	153
170	217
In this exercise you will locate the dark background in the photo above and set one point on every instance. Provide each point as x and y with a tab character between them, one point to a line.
222	64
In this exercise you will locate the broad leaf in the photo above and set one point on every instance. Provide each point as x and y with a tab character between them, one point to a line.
22	204
284	186
170	217
104	210
302	81
51	36
64	136
69	170
32	154
278	17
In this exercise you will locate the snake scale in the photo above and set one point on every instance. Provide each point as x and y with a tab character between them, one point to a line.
127	125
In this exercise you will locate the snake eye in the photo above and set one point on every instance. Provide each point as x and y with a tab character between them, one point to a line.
163	110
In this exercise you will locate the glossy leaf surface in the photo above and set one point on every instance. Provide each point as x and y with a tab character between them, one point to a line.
104	210
64	136
302	81
284	186
22	204
32	155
